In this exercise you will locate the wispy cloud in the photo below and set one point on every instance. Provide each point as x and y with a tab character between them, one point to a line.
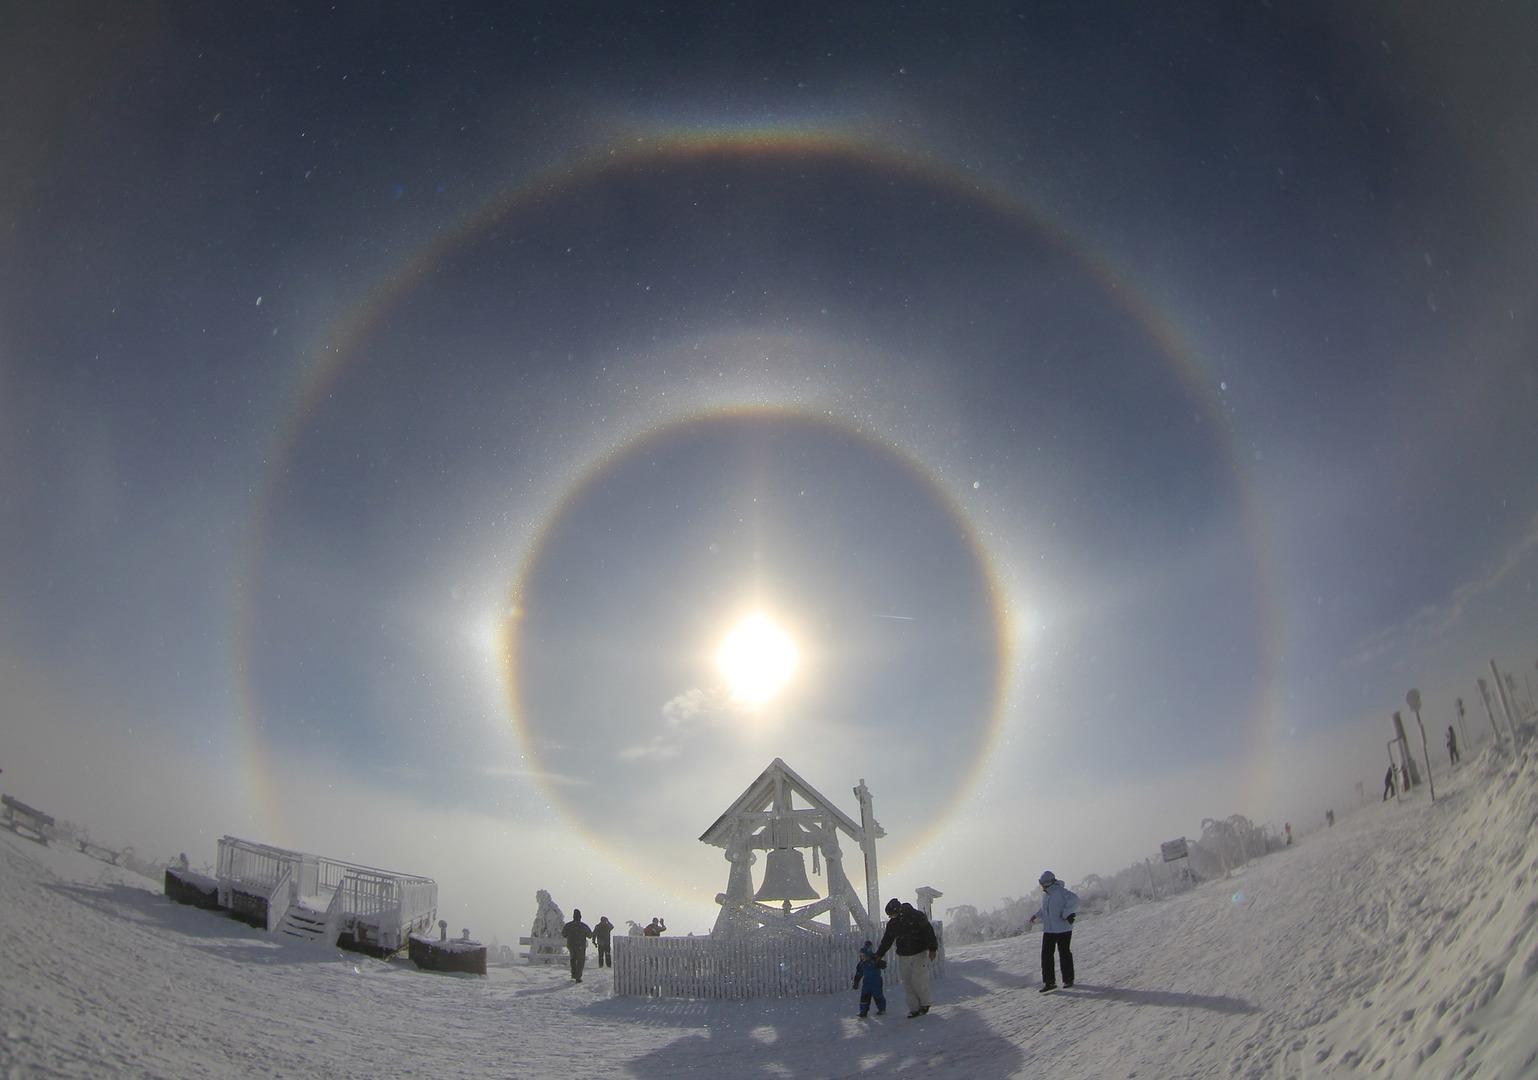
684	716
1434	621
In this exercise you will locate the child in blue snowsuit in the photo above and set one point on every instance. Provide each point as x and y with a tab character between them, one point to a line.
869	970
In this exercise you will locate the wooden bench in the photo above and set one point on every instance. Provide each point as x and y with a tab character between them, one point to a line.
534	956
18	815
96	851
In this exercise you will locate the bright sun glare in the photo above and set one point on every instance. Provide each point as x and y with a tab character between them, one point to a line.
757	658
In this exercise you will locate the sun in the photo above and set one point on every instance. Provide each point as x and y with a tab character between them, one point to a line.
757	658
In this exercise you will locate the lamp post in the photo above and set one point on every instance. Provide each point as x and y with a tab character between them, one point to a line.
1413	699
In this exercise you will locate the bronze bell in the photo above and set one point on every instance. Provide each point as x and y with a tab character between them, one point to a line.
785	877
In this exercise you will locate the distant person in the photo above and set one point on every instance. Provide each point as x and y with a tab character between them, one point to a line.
1452	745
868	971
917	946
577	934
1329	818
1389	791
602	933
1059	907
655	928
1288	830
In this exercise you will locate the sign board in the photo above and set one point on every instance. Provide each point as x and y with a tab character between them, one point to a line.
1173	849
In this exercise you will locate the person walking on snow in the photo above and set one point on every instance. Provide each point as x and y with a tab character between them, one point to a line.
868	971
577	934
1388	785
602	934
1059	907
914	936
1452	745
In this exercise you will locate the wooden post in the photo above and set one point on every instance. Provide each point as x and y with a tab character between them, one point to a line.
868	847
1484	697
1505	700
1413	699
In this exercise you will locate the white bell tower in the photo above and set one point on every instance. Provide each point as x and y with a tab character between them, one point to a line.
766	817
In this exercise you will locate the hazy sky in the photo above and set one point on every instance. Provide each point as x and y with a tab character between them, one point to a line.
1119	407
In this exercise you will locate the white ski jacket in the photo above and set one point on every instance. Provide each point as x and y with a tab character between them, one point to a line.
1057	903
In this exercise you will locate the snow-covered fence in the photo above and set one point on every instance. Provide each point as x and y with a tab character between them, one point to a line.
544	950
251	868
715	967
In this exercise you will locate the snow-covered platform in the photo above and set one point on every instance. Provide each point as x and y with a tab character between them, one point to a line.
314	898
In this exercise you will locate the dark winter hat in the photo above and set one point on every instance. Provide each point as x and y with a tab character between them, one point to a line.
867	950
576	913
893	906
1047	878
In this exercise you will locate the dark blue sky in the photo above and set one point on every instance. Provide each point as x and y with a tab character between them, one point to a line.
1169	371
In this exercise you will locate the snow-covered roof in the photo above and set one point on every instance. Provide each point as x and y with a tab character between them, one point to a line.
759	795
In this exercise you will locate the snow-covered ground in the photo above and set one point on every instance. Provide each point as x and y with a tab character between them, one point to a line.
1404	941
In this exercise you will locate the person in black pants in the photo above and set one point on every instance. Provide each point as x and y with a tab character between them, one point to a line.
577	934
1059	907
602	935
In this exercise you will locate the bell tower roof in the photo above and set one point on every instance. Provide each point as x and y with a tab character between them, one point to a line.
760	796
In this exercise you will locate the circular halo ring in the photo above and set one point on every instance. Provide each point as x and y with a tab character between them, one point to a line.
341	349
1000	626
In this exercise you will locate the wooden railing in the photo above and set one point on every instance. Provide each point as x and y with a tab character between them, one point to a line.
544	950
279	898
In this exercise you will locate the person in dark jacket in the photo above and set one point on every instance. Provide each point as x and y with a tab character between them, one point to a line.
1452	745
914	936
1388	785
602	935
577	934
868	971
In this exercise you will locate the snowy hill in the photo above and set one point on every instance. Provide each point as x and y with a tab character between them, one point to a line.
1401	942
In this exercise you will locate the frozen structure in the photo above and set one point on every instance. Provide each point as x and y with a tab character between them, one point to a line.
314	898
766	818
763	944
546	946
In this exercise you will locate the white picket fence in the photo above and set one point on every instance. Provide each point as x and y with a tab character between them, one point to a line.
707	967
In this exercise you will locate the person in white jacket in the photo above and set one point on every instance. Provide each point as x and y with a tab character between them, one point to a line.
1059	907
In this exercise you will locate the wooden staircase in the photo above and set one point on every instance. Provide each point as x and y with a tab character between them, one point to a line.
304	924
